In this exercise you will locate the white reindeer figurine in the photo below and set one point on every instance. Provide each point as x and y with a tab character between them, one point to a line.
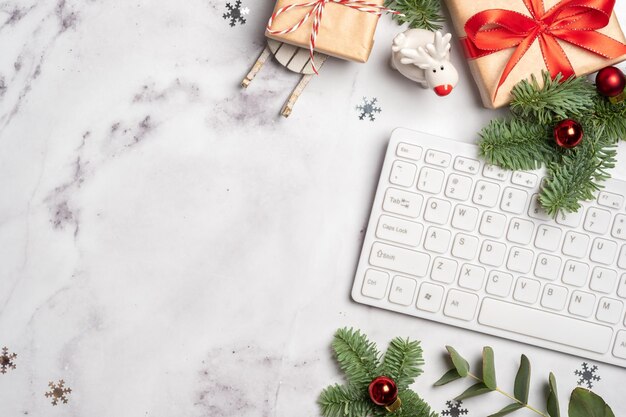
424	57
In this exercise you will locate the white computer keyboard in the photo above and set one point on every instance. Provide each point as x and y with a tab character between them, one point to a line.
453	240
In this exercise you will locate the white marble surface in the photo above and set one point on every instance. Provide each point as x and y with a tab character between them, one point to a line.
169	245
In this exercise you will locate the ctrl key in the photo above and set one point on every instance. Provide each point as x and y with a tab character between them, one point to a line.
375	284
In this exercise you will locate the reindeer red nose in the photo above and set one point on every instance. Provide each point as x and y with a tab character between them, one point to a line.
443	90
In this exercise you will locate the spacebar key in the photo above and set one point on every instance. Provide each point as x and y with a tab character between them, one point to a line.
400	260
546	326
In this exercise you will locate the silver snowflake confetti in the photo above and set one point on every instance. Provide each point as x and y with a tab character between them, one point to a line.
454	409
368	109
7	360
235	13
58	392
587	375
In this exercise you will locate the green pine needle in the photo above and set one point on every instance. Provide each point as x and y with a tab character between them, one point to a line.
344	401
412	406
557	99
357	356
403	362
422	14
612	117
516	144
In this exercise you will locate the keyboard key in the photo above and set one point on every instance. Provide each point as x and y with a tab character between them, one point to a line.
492	224
444	270
407	151
430	180
402	173
621	260
494	172
575	244
547	266
437	211
619	227
402	202
520	260
464	217
536	210
525	179
375	284
399	231
548	237
437	240
582	304
545	326
603	280
440	159
472	277
492	253
467	165
486	194
610	310
399	260
499	283
621	287
575	273
527	290
597	221
554	297
520	231
570	219
458	187
514	200
402	290
603	251
614	201
430	297
465	246
461	305
619	349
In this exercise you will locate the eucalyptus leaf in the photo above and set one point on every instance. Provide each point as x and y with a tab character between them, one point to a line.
584	403
489	368
507	410
473	391
451	375
522	381
461	365
554	410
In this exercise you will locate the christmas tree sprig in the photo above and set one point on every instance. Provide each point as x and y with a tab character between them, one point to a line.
419	14
362	363
583	403
525	140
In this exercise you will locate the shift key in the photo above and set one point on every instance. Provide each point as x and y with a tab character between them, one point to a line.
400	260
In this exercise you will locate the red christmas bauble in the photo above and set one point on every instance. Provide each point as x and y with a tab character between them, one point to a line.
610	82
568	133
383	391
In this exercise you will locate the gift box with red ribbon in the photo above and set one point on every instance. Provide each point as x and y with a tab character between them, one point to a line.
508	40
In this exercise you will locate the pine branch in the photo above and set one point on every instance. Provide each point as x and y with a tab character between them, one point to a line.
344	401
357	356
412	406
403	361
612	117
422	14
557	99
516	145
579	173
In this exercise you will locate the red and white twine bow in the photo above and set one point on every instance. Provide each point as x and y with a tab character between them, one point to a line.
317	10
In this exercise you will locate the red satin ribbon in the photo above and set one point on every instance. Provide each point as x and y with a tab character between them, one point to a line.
572	21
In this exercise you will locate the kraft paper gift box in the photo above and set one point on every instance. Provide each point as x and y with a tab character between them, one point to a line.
488	69
344	32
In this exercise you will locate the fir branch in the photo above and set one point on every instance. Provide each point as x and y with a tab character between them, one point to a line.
403	361
516	144
422	14
357	356
579	173
344	401
611	117
412	406
557	99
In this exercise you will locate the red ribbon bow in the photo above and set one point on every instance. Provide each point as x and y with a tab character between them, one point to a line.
572	21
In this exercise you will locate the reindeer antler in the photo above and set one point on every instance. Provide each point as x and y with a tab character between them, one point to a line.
418	57
440	49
